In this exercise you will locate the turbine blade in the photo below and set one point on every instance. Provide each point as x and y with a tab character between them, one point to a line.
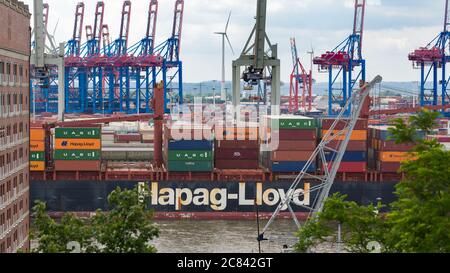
228	22
232	50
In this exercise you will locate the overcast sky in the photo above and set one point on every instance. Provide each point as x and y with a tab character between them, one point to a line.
393	28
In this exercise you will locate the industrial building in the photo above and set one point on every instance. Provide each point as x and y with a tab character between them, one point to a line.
15	36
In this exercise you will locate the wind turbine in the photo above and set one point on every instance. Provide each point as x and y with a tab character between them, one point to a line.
224	36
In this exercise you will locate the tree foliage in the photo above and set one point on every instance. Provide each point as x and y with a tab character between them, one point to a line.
126	228
419	221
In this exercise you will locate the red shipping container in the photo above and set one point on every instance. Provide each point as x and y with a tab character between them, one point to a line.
353	145
296	134
237	164
361	124
237	144
392	146
352	167
128	137
291	155
302	145
236	154
388	167
82	165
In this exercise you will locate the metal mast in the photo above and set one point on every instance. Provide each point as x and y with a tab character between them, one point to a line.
429	60
341	62
256	60
322	188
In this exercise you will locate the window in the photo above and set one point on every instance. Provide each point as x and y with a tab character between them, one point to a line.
21	70
8	69
2	68
15	69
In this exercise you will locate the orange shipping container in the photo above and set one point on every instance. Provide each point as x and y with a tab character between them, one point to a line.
357	135
78	144
37	146
37	134
396	156
37	166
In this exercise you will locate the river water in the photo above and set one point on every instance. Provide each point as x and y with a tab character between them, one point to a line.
187	236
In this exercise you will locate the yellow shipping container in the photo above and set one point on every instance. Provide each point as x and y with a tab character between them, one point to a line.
37	146
37	134
396	156
357	135
78	144
37	166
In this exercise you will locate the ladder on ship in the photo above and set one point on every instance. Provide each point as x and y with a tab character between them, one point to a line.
341	136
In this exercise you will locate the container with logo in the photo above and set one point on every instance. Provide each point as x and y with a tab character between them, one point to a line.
385	155
294	139
186	149
37	149
78	149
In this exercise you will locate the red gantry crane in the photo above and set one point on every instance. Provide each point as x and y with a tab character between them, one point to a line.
300	80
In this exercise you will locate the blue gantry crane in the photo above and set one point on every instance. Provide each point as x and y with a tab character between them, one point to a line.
430	60
345	64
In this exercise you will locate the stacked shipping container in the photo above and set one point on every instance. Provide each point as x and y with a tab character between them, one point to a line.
77	149
385	155
236	147
297	140
188	149
355	157
37	149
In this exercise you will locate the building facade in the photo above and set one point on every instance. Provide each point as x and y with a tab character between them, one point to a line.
14	125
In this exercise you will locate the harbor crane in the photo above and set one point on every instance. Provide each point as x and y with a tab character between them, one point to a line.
300	79
321	189
44	61
256	61
429	60
341	63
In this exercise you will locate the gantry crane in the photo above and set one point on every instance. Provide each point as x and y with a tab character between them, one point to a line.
330	165
342	61
258	63
300	79
45	63
429	60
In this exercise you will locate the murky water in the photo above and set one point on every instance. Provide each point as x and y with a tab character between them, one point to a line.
189	236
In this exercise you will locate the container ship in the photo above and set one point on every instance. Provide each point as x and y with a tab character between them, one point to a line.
224	173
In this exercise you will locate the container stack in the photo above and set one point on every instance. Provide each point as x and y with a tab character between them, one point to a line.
297	141
237	147
386	155
77	149
37	150
355	159
184	155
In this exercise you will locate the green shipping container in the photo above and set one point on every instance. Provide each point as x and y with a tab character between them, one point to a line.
78	133
190	155
37	156
293	123
190	166
77	155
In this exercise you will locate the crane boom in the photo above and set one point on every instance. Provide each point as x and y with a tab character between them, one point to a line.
151	26
177	28
358	27
94	44
447	16
330	167
124	28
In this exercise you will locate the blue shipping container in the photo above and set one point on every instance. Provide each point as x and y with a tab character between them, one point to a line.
285	166
202	145
385	135
348	156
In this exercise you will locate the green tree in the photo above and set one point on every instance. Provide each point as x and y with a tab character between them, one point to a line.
126	228
419	221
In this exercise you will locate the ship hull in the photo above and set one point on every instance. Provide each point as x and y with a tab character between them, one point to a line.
222	200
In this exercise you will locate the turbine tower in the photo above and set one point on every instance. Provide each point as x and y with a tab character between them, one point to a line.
224	34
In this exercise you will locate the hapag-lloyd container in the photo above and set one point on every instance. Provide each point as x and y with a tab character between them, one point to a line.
37	166
77	144
396	156
37	146
357	135
37	134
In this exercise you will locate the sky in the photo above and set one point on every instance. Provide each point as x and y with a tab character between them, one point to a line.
393	28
